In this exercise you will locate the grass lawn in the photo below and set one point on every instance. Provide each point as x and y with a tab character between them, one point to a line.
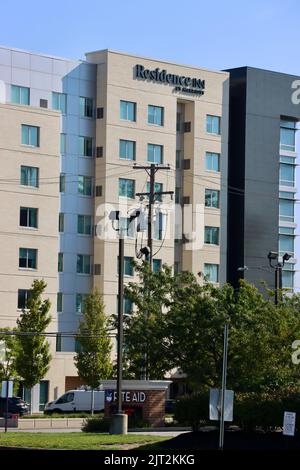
76	441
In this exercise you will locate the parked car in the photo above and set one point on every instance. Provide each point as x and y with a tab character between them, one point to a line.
15	405
76	400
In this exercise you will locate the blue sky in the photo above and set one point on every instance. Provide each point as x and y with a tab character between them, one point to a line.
214	34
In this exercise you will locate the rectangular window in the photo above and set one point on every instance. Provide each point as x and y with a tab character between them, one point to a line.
178	159
158	187
287	175
156	265
83	264
80	299
84	224
63	143
60	267
213	124
30	135
155	115
58	347
155	153
212	198
28	217
128	267
159	226
23	297
286	210
128	306
28	258
127	149
59	302
20	95
127	228
288	278
287	230
127	110
85	185
62	182
86	107
286	244
59	102
29	176
85	146
126	188
61	222
212	161
211	235
211	272
288	135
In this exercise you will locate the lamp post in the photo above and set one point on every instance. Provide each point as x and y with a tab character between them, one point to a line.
273	255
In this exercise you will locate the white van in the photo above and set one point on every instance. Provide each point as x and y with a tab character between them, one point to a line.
76	400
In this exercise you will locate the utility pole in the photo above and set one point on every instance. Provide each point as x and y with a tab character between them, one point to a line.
151	171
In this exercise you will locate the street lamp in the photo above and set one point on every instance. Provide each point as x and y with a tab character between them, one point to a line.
272	256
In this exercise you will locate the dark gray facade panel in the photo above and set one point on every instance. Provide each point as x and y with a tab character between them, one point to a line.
268	98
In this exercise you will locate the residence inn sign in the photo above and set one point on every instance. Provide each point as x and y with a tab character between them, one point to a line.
182	83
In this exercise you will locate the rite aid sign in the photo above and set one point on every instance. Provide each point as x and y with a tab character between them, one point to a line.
127	397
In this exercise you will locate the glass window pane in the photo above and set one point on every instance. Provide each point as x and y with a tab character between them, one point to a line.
287	175
287	139
15	94
212	161
211	272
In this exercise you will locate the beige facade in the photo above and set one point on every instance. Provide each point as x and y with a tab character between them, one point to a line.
116	82
44	198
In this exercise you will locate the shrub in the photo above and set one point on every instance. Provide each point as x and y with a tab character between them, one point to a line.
95	425
192	410
250	411
137	422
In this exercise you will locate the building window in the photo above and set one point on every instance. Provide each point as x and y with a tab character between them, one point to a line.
60	267
127	149
84	224
80	301
23	297
128	266
287	175
59	102
156	265
28	217
212	198
127	227
61	222
85	185
159	225
213	124
286	245
127	110
211	235
29	176
30	135
212	161
58	346
155	115
155	153
28	258
128	306
158	187
126	188
287	135
59	302
288	277
86	107
211	272
85	146
63	143
83	264
178	159
286	210
62	183
20	95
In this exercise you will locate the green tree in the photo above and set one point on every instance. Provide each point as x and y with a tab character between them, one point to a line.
7	354
183	324
93	359
33	350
